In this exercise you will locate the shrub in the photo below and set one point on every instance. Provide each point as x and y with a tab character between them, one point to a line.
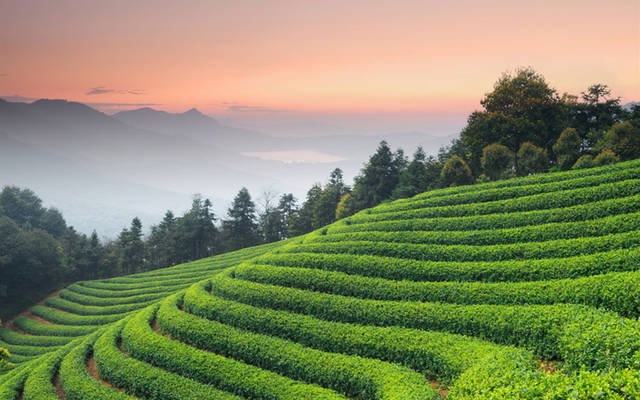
585	161
567	148
532	159
622	139
346	207
456	172
496	159
606	157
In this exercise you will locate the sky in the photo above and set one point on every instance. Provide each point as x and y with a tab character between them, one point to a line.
303	67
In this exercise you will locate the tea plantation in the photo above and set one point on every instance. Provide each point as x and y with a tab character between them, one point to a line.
526	288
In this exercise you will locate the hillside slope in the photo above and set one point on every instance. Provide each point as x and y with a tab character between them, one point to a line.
520	289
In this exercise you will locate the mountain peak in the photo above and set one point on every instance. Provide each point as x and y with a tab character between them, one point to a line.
193	111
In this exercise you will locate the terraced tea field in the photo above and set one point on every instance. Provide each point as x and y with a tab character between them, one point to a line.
520	289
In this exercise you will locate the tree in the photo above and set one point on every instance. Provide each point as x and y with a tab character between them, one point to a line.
287	206
623	139
606	157
585	161
567	148
456	172
379	177
22	206
345	207
300	221
532	159
521	108
132	248
324	209
240	227
594	114
496	160
413	179
162	244
196	231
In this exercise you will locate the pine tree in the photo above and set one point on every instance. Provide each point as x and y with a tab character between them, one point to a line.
413	179
379	177
241	228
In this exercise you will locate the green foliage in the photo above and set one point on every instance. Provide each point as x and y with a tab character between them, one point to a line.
345	207
435	354
496	160
521	108
585	161
4	354
241	228
623	138
478	288
545	330
532	159
352	376
419	175
606	157
567	148
456	172
379	177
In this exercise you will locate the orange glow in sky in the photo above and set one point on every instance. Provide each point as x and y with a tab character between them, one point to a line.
311	56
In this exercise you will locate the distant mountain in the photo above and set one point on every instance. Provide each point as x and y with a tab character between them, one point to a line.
630	105
192	124
134	162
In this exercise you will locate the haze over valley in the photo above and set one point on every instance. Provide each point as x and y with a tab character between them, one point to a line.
101	170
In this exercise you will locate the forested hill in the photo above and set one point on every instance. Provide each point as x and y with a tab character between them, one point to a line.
524	288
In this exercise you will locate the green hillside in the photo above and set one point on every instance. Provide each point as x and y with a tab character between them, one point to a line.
526	288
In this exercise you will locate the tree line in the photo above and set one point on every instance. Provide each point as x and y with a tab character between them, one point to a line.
525	127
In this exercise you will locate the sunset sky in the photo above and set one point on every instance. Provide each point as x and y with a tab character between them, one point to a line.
406	60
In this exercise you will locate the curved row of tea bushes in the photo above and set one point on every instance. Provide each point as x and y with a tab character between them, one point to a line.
436	354
620	260
26	350
185	361
546	330
104	293
503	193
353	376
143	379
140	285
77	383
498	252
542	201
526	180
40	329
89	300
12	337
580	212
65	318
619	292
536	233
81	309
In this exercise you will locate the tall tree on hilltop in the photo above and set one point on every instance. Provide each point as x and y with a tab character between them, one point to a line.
241	228
324	210
196	231
162	244
301	220
379	177
287	207
521	108
132	248
594	114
